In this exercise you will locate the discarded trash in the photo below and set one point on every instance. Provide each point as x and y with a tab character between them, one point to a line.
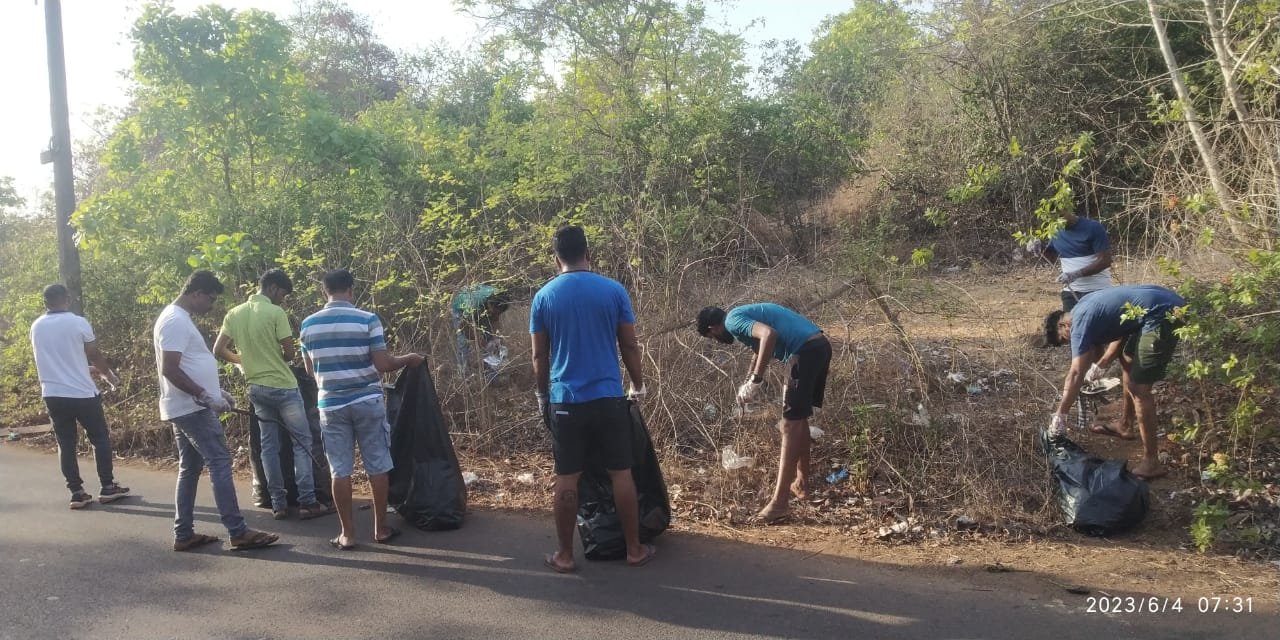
469	477
975	389
897	528
730	460
957	377
921	416
815	433
837	476
13	436
965	522
524	478
710	411
954	560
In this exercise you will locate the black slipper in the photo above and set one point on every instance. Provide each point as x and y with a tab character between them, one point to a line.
392	534
336	543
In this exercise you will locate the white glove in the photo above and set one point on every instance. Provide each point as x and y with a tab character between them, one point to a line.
750	391
1035	246
637	394
113	379
1067	277
1058	425
215	403
1095	373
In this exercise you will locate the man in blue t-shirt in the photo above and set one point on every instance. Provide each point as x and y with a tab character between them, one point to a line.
770	329
579	321
1084	250
1135	323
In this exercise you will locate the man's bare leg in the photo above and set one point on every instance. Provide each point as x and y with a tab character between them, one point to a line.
627	503
565	509
800	488
1145	405
788	461
379	484
1123	426
342	502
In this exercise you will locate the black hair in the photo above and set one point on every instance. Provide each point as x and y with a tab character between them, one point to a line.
278	278
203	282
55	295
339	280
500	301
709	317
1051	327
570	244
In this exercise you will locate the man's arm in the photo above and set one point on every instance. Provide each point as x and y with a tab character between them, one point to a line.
288	349
1112	352
1075	379
629	345
171	369
1101	261
306	362
222	349
542	362
386	363
98	360
768	338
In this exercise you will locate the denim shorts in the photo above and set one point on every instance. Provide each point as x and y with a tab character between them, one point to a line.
364	422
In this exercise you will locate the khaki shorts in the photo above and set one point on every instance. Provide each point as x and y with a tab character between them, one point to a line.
1151	353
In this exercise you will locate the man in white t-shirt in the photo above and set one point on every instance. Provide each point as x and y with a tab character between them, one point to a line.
64	344
191	399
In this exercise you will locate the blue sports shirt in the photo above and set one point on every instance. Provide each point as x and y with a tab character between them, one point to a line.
793	329
580	311
1096	319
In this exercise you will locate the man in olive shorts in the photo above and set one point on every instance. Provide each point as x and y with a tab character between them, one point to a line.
774	330
1135	323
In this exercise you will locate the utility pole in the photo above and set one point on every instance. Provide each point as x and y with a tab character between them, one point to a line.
60	154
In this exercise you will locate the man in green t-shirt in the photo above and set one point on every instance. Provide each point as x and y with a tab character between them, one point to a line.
475	311
264	345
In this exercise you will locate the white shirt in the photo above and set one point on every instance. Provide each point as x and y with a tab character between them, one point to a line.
175	331
58	340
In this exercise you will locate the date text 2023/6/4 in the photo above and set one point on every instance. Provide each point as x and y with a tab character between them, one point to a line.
1159	604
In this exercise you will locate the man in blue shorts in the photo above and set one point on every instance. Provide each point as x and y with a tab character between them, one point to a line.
1084	250
774	330
345	350
579	321
1100	329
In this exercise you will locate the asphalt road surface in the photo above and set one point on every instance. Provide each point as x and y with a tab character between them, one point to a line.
108	572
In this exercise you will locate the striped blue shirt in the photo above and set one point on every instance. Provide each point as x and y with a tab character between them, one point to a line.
340	340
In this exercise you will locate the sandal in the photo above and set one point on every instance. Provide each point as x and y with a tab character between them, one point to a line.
392	533
197	540
314	511
253	540
550	561
649	552
336	543
1106	430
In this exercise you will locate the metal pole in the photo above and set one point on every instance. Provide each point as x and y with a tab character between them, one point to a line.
60	148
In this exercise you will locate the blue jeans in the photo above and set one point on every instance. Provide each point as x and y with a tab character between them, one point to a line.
201	442
364	422
283	407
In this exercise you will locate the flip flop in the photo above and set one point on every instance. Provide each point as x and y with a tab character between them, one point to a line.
1149	477
649	552
197	540
771	518
258	540
1106	430
336	543
549	561
392	533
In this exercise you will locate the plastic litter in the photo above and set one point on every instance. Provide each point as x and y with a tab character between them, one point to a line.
816	433
837	475
469	477
598	524
525	478
730	460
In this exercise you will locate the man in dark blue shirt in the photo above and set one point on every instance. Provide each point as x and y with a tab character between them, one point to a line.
1135	323
579	321
1084	250
774	330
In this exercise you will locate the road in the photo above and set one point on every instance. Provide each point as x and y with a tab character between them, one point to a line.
108	572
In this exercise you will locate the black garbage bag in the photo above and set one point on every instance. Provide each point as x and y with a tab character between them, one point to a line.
1097	497
426	482
598	523
319	467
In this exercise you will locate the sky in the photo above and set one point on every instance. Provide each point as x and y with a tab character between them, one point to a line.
98	53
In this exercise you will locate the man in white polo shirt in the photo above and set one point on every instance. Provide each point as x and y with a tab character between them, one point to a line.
64	345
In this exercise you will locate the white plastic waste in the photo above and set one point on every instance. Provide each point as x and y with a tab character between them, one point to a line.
525	478
815	433
730	460
469	477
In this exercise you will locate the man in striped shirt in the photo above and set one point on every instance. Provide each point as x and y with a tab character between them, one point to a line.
345	350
